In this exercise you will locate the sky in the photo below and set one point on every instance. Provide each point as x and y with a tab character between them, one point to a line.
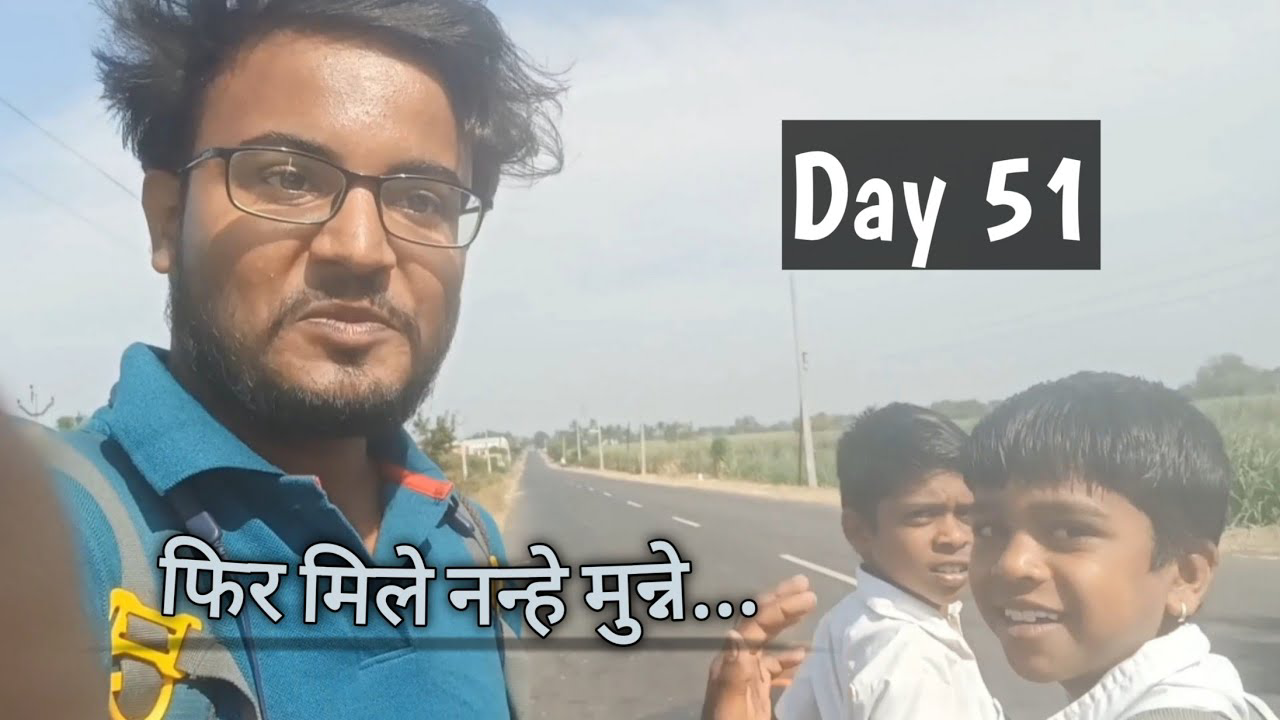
644	282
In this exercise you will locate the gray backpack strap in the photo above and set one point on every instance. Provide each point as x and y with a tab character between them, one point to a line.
135	568
512	663
139	685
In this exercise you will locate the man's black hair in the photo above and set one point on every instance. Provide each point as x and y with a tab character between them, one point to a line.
161	56
890	449
1123	434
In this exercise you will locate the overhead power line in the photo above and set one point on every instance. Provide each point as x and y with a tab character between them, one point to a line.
17	111
97	226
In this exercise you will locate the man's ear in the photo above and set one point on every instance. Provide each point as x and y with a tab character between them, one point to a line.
162	204
859	531
1194	568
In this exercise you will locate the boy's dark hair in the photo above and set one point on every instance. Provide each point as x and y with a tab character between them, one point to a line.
161	56
1124	434
888	450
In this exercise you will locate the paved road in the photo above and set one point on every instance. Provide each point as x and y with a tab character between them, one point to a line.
737	545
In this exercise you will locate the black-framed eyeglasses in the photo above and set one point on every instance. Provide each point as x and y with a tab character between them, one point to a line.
296	187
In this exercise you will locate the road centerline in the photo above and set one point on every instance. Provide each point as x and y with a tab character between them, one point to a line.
819	569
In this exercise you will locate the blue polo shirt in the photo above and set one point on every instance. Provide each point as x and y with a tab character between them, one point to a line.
153	437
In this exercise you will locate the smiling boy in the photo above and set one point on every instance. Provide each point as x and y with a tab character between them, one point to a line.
1100	501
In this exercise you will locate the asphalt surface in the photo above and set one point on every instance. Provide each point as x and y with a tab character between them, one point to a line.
740	545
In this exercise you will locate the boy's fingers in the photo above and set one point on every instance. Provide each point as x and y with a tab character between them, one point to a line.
771	665
774	618
734	662
790	659
789	602
782	666
790	586
784	678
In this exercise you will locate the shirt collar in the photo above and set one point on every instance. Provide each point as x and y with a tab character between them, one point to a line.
1128	681
404	464
170	437
887	599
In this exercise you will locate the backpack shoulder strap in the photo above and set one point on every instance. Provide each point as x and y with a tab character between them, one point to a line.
59	455
147	675
477	541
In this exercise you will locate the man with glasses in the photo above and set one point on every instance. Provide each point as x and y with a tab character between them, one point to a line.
314	174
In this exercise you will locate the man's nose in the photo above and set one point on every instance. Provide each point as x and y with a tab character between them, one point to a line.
355	237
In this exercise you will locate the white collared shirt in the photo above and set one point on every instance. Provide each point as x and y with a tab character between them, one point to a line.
1173	671
882	654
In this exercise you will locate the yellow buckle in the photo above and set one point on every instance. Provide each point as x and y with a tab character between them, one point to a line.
125	605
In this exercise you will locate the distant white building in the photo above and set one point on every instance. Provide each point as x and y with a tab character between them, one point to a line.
479	446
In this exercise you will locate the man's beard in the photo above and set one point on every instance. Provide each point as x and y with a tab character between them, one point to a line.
230	368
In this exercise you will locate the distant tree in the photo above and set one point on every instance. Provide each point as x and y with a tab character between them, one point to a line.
540	440
1229	375
669	431
960	409
823	422
747	424
437	438
67	422
720	454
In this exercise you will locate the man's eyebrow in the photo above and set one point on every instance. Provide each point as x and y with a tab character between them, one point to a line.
292	142
427	168
406	167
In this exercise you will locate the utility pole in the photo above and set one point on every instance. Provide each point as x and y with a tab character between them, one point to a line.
806	433
462	450
642	465
578	429
600	444
563	449
35	403
488	454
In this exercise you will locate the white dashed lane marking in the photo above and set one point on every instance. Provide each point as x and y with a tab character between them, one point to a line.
819	569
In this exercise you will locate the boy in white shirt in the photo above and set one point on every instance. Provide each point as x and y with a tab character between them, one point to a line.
892	649
1100	501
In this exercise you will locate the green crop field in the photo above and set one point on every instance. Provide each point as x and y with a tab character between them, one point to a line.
1249	424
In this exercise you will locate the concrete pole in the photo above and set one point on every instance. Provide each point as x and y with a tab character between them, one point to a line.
600	444
806	433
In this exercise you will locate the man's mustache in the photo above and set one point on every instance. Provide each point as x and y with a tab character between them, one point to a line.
294	307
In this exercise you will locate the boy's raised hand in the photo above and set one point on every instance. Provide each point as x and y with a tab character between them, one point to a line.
743	673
